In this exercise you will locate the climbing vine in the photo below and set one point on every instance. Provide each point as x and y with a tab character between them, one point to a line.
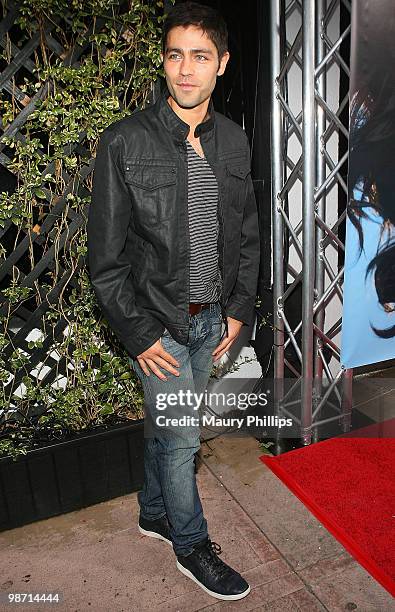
74	68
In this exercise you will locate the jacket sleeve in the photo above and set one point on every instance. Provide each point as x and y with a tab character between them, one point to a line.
110	270
241	302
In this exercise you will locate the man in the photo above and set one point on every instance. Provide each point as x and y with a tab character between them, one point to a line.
173	253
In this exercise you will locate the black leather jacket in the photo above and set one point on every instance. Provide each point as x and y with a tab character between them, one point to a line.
138	232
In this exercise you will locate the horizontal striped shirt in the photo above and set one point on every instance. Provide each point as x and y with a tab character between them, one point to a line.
205	282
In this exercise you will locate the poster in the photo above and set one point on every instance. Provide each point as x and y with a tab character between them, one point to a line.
368	330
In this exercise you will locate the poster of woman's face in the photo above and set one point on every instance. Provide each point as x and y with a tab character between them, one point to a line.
368	332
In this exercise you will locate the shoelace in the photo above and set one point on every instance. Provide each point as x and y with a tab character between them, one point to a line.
208	554
215	547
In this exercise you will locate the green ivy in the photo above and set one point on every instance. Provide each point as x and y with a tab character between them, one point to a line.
113	76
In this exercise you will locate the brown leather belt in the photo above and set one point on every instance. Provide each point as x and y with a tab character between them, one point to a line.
196	308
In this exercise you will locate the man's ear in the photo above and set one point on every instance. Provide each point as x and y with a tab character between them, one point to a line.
222	63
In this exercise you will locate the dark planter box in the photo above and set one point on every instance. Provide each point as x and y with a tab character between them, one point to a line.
73	474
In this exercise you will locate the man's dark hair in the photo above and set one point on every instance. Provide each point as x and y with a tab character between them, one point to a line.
206	17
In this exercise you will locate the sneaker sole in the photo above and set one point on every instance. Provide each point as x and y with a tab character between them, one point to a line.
189	574
153	534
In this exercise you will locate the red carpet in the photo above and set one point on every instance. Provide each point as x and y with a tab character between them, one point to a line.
348	483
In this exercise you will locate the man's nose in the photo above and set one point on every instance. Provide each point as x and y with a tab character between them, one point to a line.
186	66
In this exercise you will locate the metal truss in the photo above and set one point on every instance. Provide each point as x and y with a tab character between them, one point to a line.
307	178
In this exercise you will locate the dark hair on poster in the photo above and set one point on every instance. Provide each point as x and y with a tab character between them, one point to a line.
372	176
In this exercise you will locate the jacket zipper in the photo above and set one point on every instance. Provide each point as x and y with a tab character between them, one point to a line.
222	303
184	146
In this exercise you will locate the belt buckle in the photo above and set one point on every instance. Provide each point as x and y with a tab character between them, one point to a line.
195	309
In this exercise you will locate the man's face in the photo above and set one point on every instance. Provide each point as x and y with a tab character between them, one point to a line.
191	65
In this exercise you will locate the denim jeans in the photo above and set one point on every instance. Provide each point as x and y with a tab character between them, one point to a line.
169	473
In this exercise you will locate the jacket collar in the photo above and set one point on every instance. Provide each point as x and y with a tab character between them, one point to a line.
174	124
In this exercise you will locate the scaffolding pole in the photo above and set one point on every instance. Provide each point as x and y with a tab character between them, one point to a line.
305	53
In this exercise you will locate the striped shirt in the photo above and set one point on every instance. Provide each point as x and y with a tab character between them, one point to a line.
205	283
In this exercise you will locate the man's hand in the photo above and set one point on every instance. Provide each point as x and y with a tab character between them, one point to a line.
155	356
234	327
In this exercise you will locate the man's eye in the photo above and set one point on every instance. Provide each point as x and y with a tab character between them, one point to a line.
202	56
172	55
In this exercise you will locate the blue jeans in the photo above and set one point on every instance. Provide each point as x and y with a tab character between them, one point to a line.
169	473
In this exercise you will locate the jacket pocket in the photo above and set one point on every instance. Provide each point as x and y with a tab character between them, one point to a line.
236	177
153	190
240	171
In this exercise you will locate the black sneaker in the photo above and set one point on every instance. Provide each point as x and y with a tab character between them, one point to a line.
158	528
215	577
